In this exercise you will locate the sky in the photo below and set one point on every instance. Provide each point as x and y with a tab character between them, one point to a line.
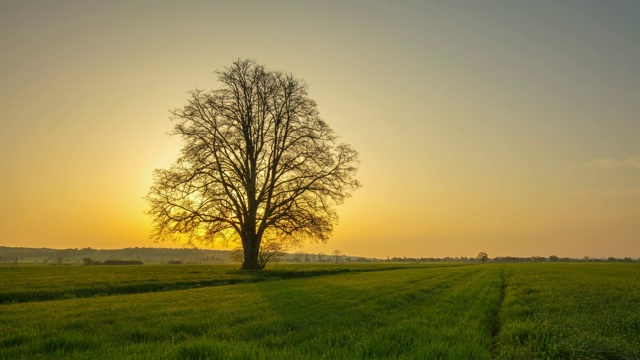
510	127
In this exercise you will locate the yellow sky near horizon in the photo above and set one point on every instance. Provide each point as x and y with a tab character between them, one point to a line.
507	128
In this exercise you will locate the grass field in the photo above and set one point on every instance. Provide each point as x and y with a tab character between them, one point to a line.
39	283
363	311
573	311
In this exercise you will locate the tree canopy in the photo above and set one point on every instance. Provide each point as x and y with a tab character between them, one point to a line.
257	165
483	256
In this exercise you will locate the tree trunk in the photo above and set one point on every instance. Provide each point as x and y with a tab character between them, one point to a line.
251	247
251	253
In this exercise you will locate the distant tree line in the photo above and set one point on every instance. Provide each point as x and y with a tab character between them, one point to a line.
551	258
206	256
431	259
88	261
147	255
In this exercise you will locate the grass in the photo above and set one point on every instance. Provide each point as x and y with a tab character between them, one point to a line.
571	311
363	311
42	283
383	314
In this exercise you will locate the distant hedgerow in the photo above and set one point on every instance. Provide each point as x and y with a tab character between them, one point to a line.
123	262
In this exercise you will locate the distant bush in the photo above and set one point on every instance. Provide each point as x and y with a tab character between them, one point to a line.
88	261
175	262
123	262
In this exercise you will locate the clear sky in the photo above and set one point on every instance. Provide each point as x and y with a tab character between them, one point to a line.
511	127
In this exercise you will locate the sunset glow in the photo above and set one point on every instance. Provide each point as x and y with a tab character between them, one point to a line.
507	128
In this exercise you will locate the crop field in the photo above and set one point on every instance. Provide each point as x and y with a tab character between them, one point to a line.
338	311
572	311
37	283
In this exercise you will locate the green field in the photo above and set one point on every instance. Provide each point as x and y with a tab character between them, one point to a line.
364	311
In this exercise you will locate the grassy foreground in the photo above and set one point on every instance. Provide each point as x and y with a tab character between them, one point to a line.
549	311
571	311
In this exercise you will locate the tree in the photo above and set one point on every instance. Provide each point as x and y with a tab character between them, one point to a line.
337	254
482	256
257	163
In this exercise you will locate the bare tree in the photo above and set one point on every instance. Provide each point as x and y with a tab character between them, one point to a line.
337	254
257	162
482	256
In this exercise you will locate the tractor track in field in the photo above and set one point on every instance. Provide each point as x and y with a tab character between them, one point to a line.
496	325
